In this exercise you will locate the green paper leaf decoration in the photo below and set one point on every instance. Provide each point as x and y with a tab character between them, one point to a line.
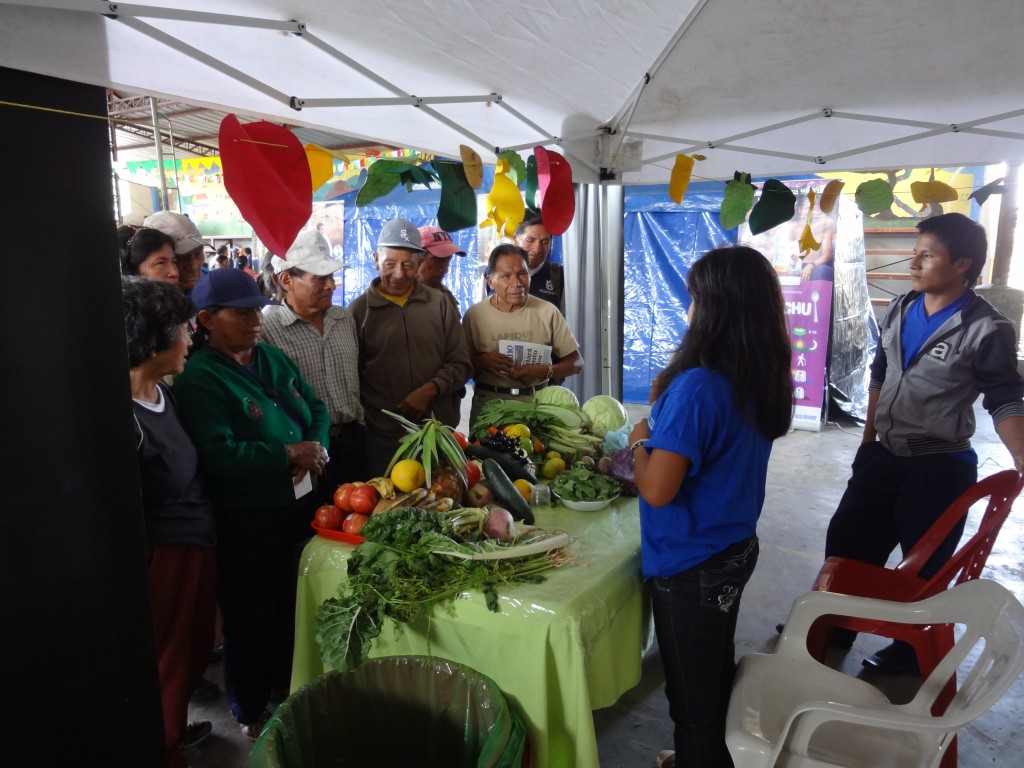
873	197
776	206
739	198
984	193
532	184
417	174
516	166
457	209
381	177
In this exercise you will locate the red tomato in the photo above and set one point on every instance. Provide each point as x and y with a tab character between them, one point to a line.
461	439
363	499
472	474
341	497
354	522
328	516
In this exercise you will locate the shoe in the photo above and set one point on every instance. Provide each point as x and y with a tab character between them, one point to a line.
195	732
898	658
666	759
840	638
206	691
253	730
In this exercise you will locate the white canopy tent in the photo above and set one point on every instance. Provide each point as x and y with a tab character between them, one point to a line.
774	87
620	87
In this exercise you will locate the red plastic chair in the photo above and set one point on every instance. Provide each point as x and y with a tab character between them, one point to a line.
904	584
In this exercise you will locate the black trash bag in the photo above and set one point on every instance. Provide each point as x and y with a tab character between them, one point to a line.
400	710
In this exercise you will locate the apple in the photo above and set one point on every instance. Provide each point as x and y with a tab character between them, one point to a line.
328	516
363	499
479	496
354	523
342	495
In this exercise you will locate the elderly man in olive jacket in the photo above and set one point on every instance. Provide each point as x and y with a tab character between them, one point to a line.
413	357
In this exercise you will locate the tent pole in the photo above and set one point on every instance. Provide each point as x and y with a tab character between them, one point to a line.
1006	227
158	144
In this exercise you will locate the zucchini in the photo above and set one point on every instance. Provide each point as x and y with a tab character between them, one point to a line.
505	493
514	468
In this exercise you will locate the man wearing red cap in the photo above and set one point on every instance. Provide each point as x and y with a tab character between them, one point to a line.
435	262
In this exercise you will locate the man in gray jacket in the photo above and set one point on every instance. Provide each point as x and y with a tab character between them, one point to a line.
940	346
413	357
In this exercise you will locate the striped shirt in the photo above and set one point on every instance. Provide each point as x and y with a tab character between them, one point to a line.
328	361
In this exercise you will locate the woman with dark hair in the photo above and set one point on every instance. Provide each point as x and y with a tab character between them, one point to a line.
701	461
147	252
260	431
180	529
511	313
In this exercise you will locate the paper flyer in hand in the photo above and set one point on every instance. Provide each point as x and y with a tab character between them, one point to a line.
525	353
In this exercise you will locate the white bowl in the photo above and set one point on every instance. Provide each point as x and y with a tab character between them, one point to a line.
586	506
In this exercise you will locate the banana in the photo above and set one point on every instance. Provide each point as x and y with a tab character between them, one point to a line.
429	498
383	486
442	504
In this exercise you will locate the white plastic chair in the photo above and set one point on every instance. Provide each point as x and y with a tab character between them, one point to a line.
790	711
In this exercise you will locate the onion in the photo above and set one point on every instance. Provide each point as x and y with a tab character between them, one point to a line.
500	525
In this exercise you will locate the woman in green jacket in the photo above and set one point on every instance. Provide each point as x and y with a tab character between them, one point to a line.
260	432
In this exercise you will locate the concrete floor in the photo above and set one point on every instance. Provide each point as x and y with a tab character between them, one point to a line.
807	475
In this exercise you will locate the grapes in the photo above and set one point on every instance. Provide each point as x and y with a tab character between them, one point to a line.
505	444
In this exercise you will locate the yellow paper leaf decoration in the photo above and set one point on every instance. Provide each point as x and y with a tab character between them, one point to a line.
830	195
932	191
807	242
321	165
505	207
680	179
472	166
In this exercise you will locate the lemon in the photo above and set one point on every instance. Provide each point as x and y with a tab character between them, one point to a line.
408	475
525	489
522	433
552	455
553	467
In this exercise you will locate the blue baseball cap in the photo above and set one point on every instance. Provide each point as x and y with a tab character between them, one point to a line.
228	288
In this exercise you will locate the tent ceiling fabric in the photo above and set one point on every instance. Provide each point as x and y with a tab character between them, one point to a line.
756	80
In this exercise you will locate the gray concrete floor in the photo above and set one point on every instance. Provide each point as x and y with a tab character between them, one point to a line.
806	477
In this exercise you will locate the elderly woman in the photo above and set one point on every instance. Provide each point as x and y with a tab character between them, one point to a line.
260	432
147	252
180	529
511	313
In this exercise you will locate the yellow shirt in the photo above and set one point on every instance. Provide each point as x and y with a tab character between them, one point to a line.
397	300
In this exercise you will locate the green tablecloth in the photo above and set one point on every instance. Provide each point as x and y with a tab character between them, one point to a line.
558	649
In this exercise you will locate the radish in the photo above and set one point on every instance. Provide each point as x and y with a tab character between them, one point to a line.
500	525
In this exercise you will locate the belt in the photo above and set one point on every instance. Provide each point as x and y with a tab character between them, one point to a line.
512	391
339	429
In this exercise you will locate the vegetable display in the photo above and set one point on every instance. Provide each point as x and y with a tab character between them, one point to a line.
434	444
414	559
584	484
606	414
559	427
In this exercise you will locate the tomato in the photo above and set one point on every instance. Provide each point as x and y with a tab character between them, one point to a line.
538	446
354	522
328	516
363	499
461	439
472	474
342	496
492	430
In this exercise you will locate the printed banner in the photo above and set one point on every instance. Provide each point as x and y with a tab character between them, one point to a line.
809	316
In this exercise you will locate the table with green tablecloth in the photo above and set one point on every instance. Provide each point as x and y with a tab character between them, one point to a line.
558	649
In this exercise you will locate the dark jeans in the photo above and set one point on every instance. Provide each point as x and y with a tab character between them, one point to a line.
894	500
257	566
695	622
347	450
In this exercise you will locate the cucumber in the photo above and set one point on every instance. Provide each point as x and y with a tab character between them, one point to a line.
505	493
514	468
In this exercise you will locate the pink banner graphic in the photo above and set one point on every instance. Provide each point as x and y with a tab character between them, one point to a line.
809	315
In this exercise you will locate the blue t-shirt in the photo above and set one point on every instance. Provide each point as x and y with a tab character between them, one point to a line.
721	497
918	326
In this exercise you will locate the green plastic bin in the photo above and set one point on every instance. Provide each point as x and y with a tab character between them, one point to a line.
400	710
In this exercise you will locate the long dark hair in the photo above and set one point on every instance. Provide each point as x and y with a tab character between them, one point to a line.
135	245
738	330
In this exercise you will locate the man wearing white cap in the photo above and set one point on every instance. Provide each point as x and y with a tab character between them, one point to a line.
413	357
435	262
188	245
321	339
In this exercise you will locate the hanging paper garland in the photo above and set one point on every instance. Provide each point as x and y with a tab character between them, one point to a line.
680	178
932	191
531	184
557	201
267	175
473	166
983	193
807	242
516	166
505	207
739	197
381	177
777	205
830	195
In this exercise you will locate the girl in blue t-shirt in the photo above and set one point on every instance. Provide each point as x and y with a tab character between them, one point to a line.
724	397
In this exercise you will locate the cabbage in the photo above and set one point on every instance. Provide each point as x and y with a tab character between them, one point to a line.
604	413
555	395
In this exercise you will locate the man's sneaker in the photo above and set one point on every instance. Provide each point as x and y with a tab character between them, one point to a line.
195	732
253	730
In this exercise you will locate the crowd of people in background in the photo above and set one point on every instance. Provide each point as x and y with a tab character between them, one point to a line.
279	395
